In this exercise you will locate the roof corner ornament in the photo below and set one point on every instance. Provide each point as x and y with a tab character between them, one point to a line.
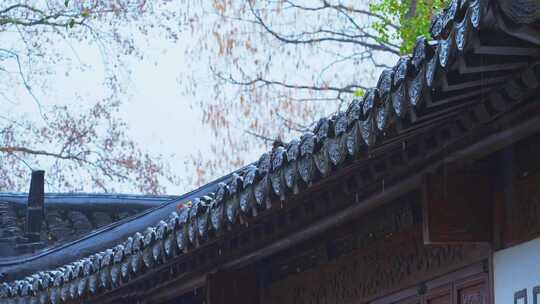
35	210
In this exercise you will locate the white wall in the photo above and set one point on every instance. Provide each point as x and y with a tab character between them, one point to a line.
515	269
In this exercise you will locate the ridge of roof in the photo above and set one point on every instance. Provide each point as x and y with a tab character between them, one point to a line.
316	154
58	195
19	199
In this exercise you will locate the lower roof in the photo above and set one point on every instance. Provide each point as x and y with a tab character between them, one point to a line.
68	216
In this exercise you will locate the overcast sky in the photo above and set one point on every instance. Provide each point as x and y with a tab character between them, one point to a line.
161	119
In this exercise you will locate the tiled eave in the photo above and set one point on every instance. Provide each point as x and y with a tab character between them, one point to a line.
440	79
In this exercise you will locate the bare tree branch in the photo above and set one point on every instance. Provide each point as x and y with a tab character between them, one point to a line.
75	143
264	82
259	136
341	8
292	125
284	39
25	82
21	5
39	152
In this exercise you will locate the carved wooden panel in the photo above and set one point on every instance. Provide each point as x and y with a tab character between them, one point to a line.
350	236
392	263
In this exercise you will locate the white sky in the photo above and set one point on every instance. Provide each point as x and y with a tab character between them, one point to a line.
160	118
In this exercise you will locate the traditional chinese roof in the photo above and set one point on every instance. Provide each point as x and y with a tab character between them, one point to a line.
69	215
481	65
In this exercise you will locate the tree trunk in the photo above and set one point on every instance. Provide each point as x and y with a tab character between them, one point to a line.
411	11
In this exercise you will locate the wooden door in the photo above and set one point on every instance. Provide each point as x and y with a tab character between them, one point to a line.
462	287
473	290
439	295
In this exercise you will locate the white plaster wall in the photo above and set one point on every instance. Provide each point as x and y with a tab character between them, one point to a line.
515	269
